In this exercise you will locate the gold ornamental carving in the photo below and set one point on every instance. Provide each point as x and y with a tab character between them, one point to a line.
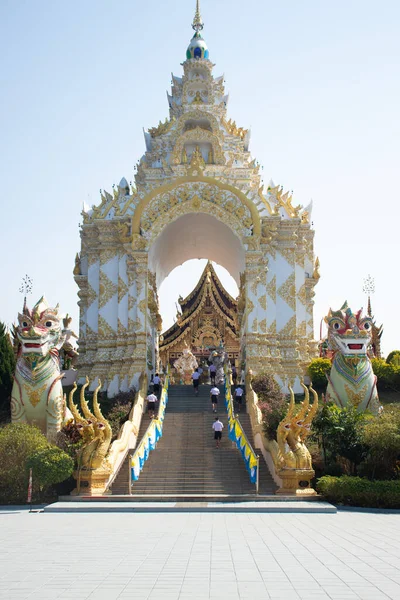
302	329
272	328
122	288
288	255
287	291
105	330
91	295
263	326
263	302
271	288
161	128
138	242
302	295
107	289
107	255
124	233
289	330
198	135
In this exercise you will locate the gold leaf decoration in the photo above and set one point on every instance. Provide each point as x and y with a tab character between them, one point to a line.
254	327
263	326
105	330
288	255
272	328
107	255
302	329
287	291
107	289
121	327
302	294
271	288
263	302
122	289
91	296
92	259
290	328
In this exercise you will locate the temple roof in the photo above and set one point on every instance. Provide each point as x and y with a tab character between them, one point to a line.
209	286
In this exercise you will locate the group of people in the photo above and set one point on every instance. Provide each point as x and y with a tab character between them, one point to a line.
217	425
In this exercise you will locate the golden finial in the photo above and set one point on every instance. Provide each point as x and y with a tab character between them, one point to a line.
197	21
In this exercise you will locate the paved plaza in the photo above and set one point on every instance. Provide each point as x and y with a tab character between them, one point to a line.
188	555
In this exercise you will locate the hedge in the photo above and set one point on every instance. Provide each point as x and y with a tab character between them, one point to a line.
357	491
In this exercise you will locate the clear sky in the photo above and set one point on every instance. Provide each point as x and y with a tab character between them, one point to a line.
317	82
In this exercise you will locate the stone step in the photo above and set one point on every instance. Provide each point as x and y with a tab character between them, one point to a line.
186	459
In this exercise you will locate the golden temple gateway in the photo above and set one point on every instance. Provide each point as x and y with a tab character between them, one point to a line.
197	193
207	319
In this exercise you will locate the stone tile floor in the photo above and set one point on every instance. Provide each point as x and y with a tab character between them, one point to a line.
187	556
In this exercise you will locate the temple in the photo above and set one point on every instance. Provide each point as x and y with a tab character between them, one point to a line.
197	193
207	320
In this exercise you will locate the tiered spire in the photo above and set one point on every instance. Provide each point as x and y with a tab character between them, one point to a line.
197	47
197	21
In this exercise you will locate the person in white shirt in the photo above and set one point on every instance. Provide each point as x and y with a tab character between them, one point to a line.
196	377
218	427
151	404
239	397
214	393
156	384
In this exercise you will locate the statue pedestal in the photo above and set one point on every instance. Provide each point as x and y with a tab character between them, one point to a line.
91	482
297	482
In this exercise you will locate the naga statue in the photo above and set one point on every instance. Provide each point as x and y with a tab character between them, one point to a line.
351	381
186	364
37	395
96	436
289	450
219	358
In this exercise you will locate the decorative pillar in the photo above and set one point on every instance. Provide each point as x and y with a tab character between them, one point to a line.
138	315
89	295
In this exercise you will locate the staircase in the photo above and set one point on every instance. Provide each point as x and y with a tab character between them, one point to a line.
186	461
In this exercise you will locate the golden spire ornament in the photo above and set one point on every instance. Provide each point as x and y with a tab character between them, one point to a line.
197	21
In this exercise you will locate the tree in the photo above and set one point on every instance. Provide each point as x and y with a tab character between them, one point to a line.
50	466
18	441
7	368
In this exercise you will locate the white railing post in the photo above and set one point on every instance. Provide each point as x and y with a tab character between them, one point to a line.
130	475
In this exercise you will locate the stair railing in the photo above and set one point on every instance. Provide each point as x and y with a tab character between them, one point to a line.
238	436
150	438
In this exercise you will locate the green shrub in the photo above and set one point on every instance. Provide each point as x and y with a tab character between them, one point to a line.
356	491
339	431
393	357
388	374
317	371
382	436
18	442
272	402
49	466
